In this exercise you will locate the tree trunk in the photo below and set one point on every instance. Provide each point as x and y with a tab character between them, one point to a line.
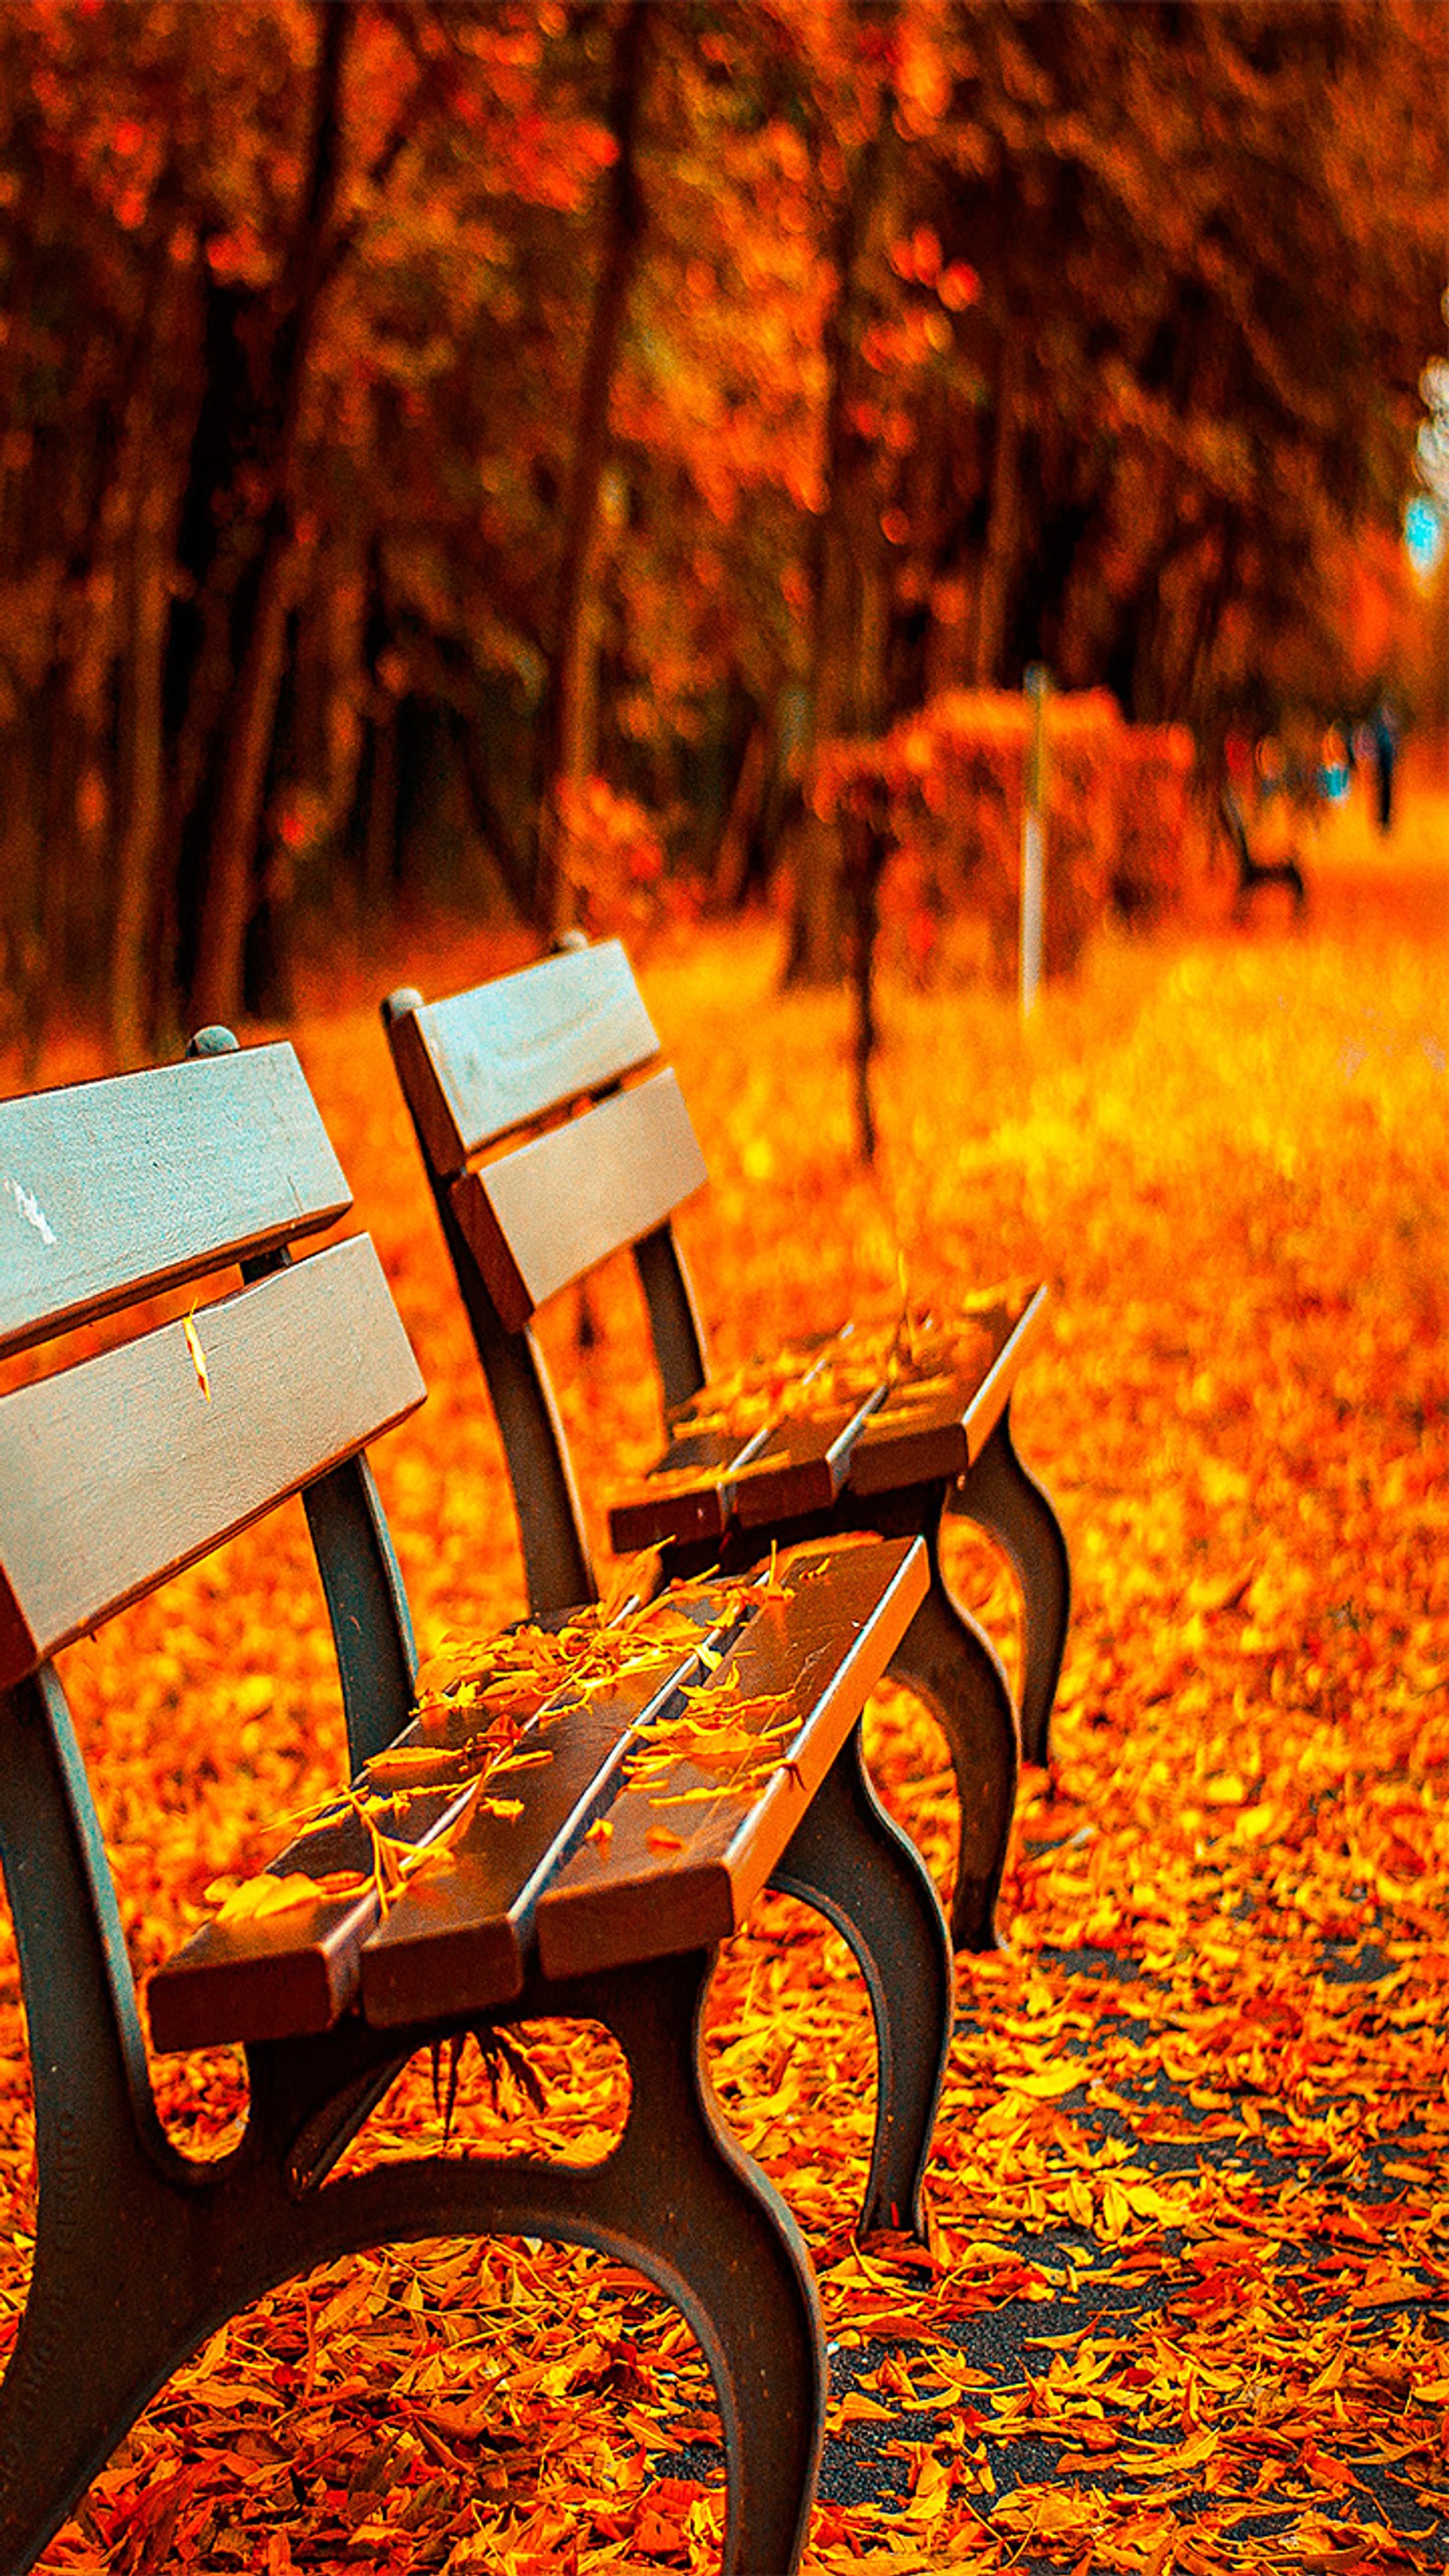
848	679
251	712
1003	534
732	859
569	691
133	922
23	981
868	848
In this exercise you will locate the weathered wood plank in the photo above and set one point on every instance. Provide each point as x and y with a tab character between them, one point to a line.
459	1937
126	1468
664	1505
454	1941
803	1464
295	1972
482	1063
112	1191
825	1647
547	1212
953	1429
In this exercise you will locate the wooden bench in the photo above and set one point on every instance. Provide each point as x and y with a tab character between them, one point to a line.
1254	872
558	1064
121	1468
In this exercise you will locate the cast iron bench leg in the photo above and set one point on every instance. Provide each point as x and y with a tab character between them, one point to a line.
105	2212
1000	1494
947	1661
680	2202
851	1861
683	2202
140	2254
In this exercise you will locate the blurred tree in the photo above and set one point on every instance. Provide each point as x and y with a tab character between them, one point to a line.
370	474
567	731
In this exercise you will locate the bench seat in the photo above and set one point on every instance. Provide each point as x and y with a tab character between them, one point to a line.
919	1422
512	1888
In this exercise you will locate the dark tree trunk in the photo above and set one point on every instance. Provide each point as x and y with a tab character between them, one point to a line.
569	691
258	640
134	920
867	846
848	676
1003	524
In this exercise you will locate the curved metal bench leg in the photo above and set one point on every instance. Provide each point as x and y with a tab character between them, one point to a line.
140	2253
701	2220
105	2210
678	2200
1000	1494
851	1861
947	1661
112	2313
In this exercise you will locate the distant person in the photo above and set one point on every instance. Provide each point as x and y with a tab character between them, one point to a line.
1384	737
1335	760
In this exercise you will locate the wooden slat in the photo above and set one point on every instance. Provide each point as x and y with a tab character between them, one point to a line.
803	1464
670	1503
459	1937
826	1646
286	1976
541	1216
293	1973
123	1470
451	1943
689	1492
950	1432
482	1063
114	1190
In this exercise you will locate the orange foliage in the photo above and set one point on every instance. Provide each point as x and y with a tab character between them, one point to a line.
612	860
1187	2302
953	779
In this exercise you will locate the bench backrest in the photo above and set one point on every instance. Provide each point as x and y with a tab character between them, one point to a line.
122	1467
557	1065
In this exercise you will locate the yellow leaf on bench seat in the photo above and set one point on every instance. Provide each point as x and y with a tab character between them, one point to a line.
257	1898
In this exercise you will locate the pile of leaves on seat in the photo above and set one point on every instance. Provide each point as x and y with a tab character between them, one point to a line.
483	1708
1186	2303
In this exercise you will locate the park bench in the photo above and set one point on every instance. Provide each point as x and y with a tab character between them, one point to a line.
120	1468
1253	871
558	1065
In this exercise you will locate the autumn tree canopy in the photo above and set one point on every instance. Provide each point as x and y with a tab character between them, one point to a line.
460	446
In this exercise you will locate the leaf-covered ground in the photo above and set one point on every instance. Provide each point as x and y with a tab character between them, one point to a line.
1188	2301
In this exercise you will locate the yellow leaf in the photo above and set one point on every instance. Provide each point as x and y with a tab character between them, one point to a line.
198	1356
1050	2083
257	1899
1116	2208
1255	1823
